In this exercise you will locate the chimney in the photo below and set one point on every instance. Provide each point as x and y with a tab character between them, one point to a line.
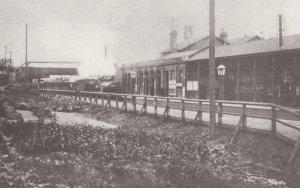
173	39
188	32
223	36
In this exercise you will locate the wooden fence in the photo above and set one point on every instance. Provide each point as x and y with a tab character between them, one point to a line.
247	116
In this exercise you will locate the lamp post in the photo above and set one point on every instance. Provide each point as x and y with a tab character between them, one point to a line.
221	73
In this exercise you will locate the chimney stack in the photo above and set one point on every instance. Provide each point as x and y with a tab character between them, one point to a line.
173	39
223	36
188	32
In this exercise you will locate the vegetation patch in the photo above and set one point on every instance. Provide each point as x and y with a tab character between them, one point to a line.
142	152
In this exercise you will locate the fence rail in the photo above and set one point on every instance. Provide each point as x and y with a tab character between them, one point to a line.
239	115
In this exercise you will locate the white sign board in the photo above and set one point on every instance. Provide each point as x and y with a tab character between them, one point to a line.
192	85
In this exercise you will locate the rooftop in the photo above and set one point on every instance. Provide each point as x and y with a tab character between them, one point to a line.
291	42
185	43
244	39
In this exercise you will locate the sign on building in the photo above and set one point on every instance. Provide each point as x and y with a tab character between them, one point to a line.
192	85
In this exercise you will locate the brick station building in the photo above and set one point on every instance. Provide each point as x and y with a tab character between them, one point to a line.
257	69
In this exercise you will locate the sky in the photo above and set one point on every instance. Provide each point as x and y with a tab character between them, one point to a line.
132	30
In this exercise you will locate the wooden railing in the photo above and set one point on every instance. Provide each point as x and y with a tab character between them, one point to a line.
239	115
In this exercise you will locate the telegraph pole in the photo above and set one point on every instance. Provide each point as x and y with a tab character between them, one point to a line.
280	30
212	114
26	63
5	52
10	52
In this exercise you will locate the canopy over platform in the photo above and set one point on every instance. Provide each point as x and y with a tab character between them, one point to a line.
45	69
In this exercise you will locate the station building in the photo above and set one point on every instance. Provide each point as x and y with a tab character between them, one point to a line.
261	70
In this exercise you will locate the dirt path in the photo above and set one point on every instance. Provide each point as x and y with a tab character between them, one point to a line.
65	118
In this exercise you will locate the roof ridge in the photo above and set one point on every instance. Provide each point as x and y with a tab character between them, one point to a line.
292	42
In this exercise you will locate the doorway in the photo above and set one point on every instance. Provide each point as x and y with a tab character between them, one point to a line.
166	84
286	91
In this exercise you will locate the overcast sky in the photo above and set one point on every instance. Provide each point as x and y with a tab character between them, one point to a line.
134	30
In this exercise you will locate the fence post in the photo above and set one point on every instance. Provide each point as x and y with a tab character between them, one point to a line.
79	93
244	119
200	112
155	107
182	111
109	98
125	103
107	102
295	150
102	100
166	112
168	109
145	105
75	95
90	98
238	126
84	99
117	102
273	120
220	114
134	103
96	99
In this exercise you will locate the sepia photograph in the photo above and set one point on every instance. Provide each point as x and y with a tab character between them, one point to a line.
149	94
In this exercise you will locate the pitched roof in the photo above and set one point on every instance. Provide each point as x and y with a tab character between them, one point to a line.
244	39
291	42
186	43
168	58
143	63
184	54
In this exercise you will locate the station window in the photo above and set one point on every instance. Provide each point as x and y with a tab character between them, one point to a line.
172	75
180	75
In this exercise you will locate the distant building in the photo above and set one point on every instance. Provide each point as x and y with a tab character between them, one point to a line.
7	72
39	70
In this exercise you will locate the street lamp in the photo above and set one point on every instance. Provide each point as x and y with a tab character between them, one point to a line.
221	73
133	77
133	74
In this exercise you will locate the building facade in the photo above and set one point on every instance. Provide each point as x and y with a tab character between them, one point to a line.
257	69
